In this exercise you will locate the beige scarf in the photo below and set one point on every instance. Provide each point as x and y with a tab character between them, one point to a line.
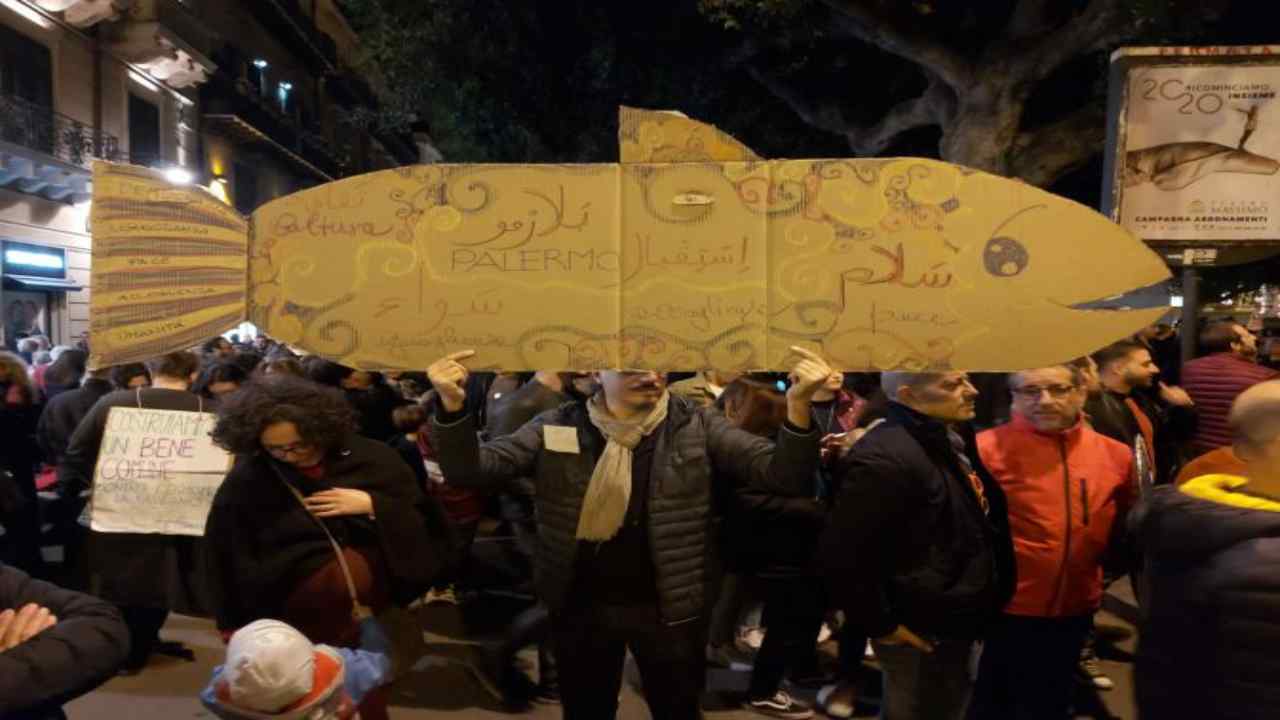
604	508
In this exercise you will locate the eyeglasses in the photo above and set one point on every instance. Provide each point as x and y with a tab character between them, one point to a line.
283	452
1033	392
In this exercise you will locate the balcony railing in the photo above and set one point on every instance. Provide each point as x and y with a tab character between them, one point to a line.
43	130
224	95
287	18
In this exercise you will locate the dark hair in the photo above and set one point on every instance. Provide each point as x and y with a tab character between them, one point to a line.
122	374
1118	350
68	369
325	372
219	372
755	406
408	418
174	365
212	344
281	366
1218	337
322	415
414	384
248	360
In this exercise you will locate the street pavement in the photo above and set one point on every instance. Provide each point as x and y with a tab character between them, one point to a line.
444	686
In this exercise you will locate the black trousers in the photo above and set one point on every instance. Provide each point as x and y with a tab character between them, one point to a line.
591	644
1028	666
530	627
793	612
144	631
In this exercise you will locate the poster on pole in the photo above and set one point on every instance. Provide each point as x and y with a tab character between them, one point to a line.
1195	144
157	472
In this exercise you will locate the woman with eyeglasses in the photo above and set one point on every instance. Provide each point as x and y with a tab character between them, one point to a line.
301	469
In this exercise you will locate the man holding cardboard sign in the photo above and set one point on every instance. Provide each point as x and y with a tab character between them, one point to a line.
623	487
145	458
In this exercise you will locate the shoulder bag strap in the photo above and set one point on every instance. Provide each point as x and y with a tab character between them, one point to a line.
358	611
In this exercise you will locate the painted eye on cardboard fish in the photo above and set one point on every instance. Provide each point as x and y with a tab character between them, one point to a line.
1005	257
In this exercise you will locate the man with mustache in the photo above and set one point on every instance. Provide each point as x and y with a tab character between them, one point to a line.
917	553
624	486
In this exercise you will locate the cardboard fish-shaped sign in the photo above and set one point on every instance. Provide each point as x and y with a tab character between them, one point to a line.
690	253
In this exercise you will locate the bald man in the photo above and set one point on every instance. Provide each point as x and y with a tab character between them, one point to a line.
1213	549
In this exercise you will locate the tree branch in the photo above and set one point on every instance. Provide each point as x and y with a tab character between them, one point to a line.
1045	154
876	28
1097	27
933	107
1029	19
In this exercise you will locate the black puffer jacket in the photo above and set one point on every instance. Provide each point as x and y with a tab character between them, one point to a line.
908	543
694	447
85	648
1213	615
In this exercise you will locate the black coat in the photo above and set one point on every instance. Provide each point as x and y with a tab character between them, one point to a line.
1212	625
908	543
374	407
260	543
86	647
133	568
694	449
18	506
63	414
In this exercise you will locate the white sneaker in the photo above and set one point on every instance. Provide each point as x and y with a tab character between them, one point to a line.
1090	671
781	705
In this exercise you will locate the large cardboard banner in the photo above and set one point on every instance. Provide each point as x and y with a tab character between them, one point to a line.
692	253
1196	143
157	472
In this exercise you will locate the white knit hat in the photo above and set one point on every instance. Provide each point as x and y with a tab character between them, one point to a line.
269	666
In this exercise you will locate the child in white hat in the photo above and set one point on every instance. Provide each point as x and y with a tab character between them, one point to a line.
273	671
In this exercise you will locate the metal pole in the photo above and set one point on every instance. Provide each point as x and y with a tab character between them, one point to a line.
1190	331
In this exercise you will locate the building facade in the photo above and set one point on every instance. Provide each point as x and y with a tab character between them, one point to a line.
245	97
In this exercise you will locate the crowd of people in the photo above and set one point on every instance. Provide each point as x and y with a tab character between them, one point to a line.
712	519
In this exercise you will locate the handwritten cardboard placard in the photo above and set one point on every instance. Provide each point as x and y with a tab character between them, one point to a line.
157	472
690	254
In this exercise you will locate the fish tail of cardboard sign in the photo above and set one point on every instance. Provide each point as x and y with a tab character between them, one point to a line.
690	253
170	265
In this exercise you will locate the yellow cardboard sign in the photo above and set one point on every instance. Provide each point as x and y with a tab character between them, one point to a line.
690	254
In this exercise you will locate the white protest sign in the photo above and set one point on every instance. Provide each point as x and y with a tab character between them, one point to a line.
157	472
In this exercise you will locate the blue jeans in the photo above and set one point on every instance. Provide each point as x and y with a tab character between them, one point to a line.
926	686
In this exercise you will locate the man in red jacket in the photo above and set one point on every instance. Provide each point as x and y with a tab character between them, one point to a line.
1228	368
1068	489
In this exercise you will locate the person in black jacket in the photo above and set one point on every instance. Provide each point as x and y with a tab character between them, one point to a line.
145	574
19	455
918	552
773	541
58	422
300	468
1212	612
55	645
368	393
623	486
63	414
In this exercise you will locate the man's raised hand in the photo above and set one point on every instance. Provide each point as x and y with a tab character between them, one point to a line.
449	378
808	374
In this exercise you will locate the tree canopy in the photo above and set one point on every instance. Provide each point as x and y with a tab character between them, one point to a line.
1012	86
